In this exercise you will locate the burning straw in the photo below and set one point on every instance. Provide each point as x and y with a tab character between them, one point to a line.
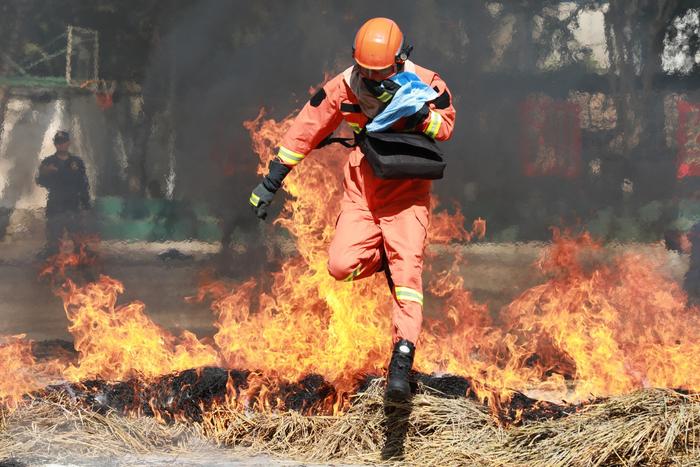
609	329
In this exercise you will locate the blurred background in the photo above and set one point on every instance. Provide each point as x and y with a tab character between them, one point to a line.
569	113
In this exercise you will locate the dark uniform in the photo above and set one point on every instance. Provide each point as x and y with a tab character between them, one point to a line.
69	192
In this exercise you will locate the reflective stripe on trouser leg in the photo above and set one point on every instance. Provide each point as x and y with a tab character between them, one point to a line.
407	313
404	294
356	272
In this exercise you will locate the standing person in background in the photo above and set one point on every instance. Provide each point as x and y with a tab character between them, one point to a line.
63	175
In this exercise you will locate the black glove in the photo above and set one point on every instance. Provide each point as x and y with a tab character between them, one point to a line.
382	90
260	199
412	121
262	195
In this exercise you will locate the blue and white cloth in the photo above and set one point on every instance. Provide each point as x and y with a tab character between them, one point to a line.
409	99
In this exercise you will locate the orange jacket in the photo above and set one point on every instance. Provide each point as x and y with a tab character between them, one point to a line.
319	119
336	102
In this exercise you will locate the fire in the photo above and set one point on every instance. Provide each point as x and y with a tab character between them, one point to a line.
614	329
119	342
308	322
590	330
595	327
16	359
22	373
58	265
446	227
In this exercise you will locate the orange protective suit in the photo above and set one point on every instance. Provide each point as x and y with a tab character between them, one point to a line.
375	214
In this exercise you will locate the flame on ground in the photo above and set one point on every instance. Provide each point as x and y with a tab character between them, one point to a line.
21	373
121	342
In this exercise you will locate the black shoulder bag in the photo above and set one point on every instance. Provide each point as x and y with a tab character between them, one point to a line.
396	156
402	155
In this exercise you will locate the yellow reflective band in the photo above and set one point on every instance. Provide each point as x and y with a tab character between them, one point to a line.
353	274
355	127
254	199
384	97
408	294
434	126
289	157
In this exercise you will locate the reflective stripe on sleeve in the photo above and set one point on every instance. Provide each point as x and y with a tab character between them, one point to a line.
254	199
408	294
289	157
434	125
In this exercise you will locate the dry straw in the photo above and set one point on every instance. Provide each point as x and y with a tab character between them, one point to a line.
650	427
56	429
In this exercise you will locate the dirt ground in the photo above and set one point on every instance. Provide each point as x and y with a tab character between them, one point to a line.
28	306
208	457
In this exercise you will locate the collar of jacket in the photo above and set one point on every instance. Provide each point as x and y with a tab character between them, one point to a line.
369	104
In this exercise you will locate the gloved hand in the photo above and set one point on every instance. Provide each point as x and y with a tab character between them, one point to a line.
260	199
413	121
262	195
382	90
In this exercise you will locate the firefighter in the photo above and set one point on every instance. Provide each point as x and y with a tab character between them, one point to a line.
383	223
63	175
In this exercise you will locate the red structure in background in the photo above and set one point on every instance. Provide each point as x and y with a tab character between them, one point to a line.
104	100
103	91
688	136
550	137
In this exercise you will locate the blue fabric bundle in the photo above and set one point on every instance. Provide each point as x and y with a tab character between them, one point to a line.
408	100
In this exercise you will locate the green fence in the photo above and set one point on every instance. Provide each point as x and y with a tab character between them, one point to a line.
154	220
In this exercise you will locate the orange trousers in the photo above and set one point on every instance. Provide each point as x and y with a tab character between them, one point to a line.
370	224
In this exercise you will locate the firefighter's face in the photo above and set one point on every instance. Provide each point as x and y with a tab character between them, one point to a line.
377	75
62	146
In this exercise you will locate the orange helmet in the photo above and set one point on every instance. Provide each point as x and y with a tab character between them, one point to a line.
378	44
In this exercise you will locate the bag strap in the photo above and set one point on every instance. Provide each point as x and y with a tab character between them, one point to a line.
347	142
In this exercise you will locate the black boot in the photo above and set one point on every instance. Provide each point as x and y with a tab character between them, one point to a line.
397	387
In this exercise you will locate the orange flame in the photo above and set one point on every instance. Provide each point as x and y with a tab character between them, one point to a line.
17	365
118	342
614	329
596	327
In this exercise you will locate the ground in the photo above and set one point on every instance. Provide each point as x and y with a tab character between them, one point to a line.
210	457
